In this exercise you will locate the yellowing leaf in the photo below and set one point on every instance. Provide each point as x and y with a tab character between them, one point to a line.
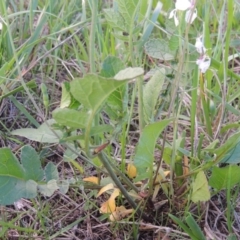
131	170
92	180
115	193
109	206
120	213
105	188
200	188
156	190
162	176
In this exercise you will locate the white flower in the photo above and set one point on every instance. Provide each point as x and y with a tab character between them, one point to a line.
191	15
203	63
199	46
173	14
183	5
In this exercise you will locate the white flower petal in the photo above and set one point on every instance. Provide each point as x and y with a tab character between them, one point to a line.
172	13
176	20
183	5
199	46
204	63
191	16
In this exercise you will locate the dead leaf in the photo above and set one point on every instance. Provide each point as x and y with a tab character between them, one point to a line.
108	207
100	148
120	213
144	227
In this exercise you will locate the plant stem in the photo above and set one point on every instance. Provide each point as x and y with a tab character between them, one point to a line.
106	164
205	105
124	178
92	35
87	134
140	103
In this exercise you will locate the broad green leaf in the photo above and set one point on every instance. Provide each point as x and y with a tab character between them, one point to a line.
9	165
127	9
115	20
69	155
71	118
30	190
173	43
93	90
51	172
43	134
116	99
14	181
151	94
66	96
111	66
230	150
129	73
63	186
144	157
31	163
158	48
167	155
49	188
222	178
233	156
22	180
200	187
100	129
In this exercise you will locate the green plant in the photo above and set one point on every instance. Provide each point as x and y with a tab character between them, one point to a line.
144	89
22	180
191	228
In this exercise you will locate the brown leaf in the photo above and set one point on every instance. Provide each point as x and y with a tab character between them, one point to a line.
120	213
